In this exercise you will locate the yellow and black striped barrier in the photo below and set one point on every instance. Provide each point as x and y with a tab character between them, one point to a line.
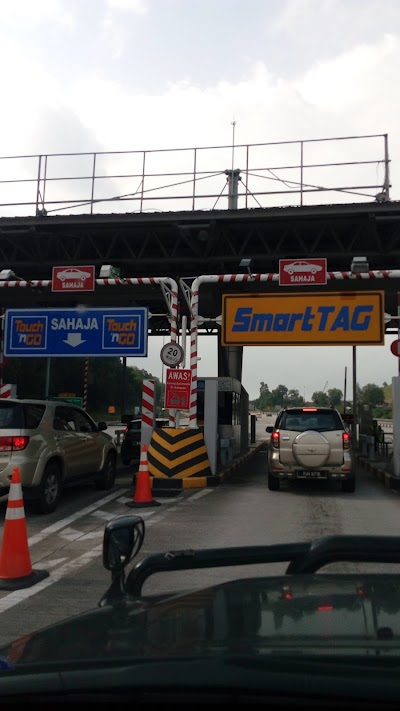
178	459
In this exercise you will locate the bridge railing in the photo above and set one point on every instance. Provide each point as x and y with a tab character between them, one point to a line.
310	171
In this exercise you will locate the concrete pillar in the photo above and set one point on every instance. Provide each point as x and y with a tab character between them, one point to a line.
396	424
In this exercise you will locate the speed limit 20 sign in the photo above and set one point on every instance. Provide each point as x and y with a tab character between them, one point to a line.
172	354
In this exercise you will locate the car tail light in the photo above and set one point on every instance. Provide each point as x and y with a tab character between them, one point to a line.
13	444
309	409
324	608
275	439
126	430
346	440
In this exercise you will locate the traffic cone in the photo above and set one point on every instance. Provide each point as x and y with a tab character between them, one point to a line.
143	495
15	561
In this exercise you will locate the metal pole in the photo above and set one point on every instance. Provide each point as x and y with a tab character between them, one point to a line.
184	333
301	171
233	186
93	179
354	425
85	384
386	184
345	390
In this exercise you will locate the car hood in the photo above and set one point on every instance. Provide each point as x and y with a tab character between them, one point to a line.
318	614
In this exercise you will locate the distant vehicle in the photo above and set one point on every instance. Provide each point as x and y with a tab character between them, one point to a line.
302	267
130	446
54	444
73	274
310	443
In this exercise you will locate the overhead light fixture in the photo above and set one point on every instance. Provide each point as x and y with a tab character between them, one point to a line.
9	274
107	271
359	265
246	264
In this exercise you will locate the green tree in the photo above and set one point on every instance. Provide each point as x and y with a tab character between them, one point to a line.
279	395
372	395
320	398
294	398
335	396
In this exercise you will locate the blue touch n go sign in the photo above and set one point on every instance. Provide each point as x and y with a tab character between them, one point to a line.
78	333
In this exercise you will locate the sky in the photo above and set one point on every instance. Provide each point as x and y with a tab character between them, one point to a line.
116	75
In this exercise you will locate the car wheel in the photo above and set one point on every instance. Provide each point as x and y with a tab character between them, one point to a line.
106	479
349	485
49	490
273	483
126	462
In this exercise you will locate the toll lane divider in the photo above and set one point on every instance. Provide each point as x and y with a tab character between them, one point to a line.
381	470
178	459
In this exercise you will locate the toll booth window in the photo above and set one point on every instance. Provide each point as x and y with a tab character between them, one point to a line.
200	408
225	408
235	409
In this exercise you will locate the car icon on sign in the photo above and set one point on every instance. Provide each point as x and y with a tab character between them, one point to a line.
302	267
73	273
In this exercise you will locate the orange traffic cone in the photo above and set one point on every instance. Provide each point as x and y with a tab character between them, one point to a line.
15	560
143	495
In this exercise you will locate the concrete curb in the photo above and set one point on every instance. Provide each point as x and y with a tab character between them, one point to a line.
228	471
389	480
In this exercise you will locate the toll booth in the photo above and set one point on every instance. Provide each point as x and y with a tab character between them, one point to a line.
223	411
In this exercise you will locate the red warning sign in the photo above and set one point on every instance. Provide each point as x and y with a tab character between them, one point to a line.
177	388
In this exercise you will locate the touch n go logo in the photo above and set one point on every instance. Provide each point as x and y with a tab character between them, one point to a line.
303	319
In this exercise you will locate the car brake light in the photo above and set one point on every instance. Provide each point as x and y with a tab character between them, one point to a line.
346	440
126	430
275	439
288	595
309	409
9	444
324	608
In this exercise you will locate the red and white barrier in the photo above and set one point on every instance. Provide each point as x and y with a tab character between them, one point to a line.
148	411
8	390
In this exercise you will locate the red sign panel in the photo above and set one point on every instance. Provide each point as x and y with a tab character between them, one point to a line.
395	348
294	272
177	388
73	279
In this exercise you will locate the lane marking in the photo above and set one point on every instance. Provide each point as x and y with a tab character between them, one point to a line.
19	595
104	515
72	566
199	494
58	525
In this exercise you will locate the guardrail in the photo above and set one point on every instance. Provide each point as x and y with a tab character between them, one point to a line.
277	173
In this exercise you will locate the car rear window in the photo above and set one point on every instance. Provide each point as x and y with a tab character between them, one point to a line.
302	420
16	415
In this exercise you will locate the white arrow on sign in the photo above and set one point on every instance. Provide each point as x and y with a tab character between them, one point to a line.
74	339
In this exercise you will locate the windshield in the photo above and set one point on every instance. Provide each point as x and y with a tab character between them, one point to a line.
199	327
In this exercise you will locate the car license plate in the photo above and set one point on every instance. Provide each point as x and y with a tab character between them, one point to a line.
311	475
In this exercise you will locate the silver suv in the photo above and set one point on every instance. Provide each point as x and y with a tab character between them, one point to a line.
310	443
53	444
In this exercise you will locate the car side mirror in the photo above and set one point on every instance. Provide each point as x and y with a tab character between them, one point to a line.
269	429
123	538
102	425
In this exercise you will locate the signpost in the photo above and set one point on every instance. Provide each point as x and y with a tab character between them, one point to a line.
172	354
73	279
294	272
177	388
76	333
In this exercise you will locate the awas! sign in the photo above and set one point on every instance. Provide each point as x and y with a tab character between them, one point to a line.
303	319
177	388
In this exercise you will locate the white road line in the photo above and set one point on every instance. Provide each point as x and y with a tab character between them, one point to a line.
72	566
199	494
104	515
58	525
70	534
19	595
52	563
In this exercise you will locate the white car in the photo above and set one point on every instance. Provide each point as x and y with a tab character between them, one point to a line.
73	274
302	267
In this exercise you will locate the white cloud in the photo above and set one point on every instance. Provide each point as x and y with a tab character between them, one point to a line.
137	7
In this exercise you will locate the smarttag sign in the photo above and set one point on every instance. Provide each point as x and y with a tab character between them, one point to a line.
303	319
76	332
177	388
